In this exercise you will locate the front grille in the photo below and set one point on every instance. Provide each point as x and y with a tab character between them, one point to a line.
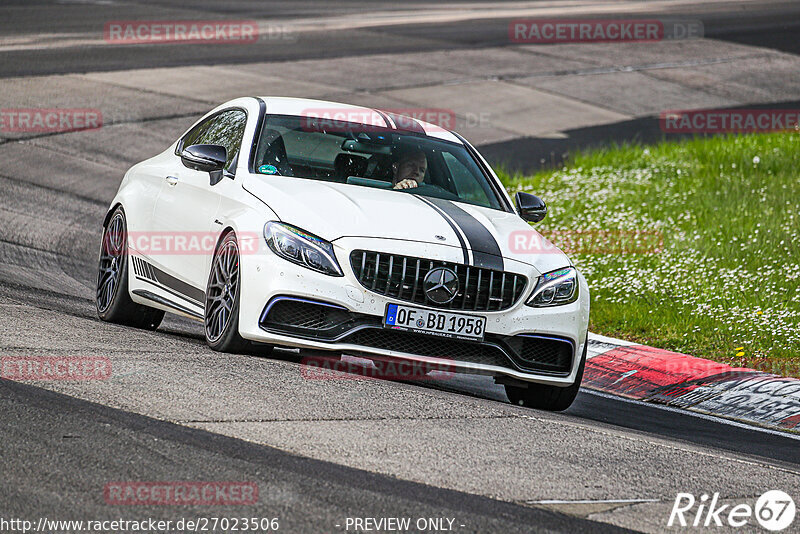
401	277
433	347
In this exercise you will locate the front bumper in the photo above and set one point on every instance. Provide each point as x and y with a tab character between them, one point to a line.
354	323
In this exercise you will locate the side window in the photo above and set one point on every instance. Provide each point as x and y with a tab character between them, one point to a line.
226	129
192	137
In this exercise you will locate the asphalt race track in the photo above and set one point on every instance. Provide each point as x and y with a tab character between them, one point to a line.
321	451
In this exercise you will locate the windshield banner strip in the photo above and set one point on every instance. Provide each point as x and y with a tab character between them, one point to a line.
404	123
386	119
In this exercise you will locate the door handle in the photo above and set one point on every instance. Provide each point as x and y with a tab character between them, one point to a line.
171	180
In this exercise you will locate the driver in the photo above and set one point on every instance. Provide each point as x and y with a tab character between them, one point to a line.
409	169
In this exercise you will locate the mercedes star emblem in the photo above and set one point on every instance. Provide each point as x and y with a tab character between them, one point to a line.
441	285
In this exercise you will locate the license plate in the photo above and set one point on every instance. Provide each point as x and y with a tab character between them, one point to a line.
442	324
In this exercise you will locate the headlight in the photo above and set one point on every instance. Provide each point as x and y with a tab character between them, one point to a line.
555	288
302	248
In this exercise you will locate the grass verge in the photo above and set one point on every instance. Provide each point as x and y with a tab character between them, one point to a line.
694	245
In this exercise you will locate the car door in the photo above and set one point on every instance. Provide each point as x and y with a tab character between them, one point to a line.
187	203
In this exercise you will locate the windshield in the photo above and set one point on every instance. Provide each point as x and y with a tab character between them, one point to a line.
369	156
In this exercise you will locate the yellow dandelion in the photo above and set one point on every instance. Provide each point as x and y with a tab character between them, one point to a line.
738	348
740	353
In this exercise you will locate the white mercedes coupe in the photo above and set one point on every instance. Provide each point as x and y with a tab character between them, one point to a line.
315	225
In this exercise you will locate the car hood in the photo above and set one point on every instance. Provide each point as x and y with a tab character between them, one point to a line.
333	210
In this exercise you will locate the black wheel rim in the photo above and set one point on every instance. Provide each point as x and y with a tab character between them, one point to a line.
223	287
112	254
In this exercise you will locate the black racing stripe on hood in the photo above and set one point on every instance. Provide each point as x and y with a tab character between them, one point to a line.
448	221
485	250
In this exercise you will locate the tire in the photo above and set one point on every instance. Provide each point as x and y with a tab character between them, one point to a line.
221	317
551	398
112	300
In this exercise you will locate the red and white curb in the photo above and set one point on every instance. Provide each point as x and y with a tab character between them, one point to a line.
659	376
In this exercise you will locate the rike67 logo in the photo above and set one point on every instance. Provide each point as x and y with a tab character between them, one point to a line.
774	510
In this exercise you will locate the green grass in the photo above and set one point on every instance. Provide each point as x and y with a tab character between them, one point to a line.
725	283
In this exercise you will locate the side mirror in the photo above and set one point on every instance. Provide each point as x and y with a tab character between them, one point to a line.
206	158
531	208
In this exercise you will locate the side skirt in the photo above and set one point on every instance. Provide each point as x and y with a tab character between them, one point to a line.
174	306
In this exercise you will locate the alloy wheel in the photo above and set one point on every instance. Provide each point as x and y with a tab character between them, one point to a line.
112	254
222	290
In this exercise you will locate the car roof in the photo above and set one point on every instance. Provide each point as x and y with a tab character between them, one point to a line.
402	119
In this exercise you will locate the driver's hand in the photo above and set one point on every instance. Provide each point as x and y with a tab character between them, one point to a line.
405	184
